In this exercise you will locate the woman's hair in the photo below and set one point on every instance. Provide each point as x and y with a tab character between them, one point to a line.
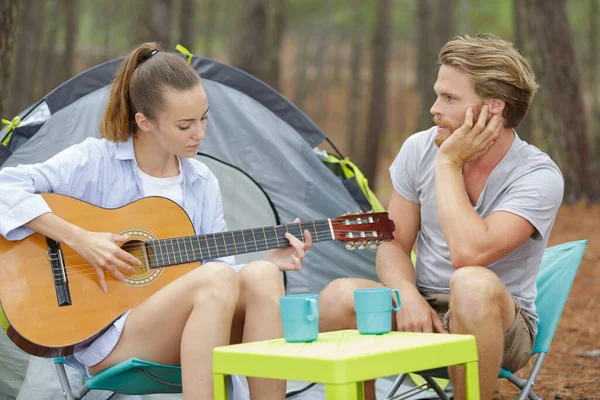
497	70
140	85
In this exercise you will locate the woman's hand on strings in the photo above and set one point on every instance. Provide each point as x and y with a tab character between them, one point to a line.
289	258
101	252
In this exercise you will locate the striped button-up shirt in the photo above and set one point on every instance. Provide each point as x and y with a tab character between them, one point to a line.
104	174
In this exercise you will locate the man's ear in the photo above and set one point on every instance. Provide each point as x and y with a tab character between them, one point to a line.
142	122
496	106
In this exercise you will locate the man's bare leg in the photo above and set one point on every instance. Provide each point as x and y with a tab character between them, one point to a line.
181	324
481	306
336	304
257	318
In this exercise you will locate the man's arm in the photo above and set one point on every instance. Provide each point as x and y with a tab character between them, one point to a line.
394	266
396	270
472	240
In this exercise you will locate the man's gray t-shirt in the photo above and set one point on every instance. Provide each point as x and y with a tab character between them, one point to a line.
526	182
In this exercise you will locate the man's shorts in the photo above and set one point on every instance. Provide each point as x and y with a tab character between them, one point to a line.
518	339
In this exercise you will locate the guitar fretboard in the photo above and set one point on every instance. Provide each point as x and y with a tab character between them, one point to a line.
181	250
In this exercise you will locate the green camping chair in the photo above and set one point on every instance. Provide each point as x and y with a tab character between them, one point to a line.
133	376
554	280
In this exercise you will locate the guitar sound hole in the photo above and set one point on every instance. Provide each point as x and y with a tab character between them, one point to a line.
138	249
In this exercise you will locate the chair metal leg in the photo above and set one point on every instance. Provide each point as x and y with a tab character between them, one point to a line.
68	392
64	382
527	385
395	386
436	388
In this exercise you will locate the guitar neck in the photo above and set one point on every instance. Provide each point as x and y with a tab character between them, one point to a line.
181	250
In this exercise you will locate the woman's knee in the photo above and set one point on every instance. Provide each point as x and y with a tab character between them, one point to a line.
213	281
259	279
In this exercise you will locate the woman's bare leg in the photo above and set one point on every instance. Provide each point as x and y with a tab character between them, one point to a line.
180	325
257	318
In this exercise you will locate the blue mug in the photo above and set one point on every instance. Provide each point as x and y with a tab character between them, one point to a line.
373	309
300	316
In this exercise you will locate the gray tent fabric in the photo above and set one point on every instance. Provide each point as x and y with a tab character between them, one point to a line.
260	146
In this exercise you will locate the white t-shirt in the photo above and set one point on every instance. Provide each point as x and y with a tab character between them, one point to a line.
171	188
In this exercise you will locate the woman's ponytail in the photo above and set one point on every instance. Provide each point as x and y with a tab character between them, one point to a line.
118	122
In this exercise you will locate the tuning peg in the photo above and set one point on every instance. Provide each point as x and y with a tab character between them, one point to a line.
351	246
374	245
361	246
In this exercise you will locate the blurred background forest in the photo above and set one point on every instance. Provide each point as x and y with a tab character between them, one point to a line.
363	70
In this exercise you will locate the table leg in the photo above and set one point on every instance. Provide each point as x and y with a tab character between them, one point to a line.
347	391
472	380
220	387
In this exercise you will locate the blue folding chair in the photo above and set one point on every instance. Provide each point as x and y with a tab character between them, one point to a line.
554	280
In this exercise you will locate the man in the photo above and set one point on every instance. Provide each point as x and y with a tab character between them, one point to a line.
482	202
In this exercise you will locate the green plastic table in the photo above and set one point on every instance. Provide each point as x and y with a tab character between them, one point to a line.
343	360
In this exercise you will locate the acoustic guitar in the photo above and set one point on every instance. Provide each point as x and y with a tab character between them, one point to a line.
51	297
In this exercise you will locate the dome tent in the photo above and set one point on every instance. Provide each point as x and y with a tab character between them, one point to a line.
256	140
259	145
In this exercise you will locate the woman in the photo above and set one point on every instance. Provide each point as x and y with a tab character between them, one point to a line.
153	124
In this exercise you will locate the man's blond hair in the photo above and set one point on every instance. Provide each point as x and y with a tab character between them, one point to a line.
497	70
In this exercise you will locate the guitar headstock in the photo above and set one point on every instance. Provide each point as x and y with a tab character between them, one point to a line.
363	229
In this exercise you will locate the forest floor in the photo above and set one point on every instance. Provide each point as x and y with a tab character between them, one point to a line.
572	368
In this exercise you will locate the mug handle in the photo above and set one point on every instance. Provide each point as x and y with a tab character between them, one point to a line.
314	310
397	293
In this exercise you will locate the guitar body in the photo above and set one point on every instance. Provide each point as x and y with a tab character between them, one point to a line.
28	294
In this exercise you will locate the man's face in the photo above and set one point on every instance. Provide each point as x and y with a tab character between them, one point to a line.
455	93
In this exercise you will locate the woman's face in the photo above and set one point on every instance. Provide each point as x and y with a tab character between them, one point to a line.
180	127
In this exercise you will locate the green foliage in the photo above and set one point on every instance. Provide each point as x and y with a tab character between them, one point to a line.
488	17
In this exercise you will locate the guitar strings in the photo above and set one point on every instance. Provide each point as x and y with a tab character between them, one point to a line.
307	226
79	272
219	235
202	239
220	247
172	255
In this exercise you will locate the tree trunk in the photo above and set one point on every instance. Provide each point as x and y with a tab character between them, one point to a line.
249	47
209	25
595	115
354	93
70	7
464	24
434	29
337	53
556	66
27	35
187	24
142	23
8	27
318	87
427	52
277	22
38	55
49	73
162	24
525	128
444	21
301	72
376	125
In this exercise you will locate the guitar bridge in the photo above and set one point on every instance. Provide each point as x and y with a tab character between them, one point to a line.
59	272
